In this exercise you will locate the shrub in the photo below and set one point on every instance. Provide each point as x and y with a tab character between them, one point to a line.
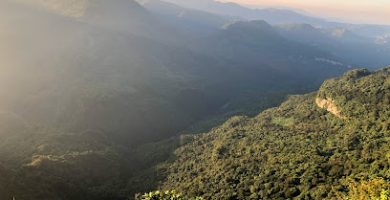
167	195
375	189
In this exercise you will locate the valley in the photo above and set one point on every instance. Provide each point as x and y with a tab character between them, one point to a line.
109	99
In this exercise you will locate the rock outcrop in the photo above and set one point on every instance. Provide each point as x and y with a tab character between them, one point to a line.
330	106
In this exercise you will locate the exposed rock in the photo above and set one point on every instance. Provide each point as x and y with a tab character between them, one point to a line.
330	106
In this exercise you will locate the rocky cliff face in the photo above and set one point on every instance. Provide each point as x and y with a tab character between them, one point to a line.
358	94
329	105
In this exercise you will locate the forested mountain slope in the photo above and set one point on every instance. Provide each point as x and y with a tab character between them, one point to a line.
330	144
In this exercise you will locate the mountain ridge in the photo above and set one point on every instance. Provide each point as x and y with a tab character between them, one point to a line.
272	15
296	150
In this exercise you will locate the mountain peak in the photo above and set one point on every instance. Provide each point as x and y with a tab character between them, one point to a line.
249	26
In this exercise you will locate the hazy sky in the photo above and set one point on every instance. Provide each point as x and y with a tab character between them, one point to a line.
360	11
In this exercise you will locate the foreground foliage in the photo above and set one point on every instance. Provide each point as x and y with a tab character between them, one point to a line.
166	195
375	189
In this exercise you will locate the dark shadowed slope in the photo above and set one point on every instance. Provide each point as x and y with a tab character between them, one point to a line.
257	45
87	77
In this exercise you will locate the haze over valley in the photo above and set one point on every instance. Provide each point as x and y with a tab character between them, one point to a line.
110	99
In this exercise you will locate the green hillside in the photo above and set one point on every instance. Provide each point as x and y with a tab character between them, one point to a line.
331	144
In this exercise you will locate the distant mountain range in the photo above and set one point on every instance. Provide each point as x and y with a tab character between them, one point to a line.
358	45
277	16
342	42
271	15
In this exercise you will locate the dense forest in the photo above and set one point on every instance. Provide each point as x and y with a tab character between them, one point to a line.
303	149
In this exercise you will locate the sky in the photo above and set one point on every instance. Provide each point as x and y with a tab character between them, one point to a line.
357	11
